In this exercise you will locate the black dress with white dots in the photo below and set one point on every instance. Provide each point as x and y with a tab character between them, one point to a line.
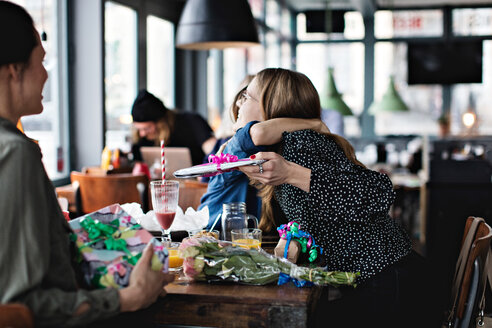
346	209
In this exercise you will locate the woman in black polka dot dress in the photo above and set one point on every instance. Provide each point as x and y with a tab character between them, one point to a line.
317	181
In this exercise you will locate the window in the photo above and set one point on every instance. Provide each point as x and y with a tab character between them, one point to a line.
347	60
160	59
256	56
424	101
120	76
474	97
50	128
257	8
476	21
272	50
408	23
273	15
234	73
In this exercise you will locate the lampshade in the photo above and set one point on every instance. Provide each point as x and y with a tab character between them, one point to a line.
219	24
333	99
391	101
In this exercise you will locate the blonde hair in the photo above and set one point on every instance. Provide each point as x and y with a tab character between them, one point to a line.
234	110
164	126
286	93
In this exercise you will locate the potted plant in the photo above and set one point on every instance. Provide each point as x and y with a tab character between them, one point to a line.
444	124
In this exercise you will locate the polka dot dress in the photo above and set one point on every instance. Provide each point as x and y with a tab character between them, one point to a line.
346	209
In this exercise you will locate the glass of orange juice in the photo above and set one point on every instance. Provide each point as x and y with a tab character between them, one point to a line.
246	238
175	262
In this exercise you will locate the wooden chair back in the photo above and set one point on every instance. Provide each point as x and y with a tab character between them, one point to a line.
479	251
190	193
16	315
93	192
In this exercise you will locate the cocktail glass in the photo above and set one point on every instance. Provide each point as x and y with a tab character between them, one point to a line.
165	195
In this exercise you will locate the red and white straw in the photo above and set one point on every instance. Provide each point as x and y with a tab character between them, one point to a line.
163	161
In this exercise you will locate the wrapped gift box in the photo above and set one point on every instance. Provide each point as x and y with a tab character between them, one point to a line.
109	243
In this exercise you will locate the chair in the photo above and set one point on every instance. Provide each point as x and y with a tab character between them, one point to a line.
16	315
97	170
190	193
93	192
470	271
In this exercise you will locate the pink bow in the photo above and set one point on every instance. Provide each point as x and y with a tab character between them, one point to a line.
221	158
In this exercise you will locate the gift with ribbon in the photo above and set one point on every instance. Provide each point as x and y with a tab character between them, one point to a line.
109	244
294	241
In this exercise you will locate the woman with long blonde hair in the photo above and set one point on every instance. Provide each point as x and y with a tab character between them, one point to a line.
314	178
234	186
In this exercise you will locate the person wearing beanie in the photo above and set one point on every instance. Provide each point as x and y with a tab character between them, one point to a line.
152	122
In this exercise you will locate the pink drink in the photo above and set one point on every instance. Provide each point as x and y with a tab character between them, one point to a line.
165	219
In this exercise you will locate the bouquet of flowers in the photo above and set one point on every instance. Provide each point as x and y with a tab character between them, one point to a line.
207	259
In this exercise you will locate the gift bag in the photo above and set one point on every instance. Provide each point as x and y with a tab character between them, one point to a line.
109	243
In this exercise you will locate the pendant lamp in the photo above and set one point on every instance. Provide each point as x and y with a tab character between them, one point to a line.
216	24
333	99
391	101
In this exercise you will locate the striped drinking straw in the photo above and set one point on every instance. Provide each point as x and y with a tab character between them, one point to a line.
163	161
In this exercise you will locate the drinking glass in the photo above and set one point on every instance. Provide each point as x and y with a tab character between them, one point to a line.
175	262
165	196
246	238
234	217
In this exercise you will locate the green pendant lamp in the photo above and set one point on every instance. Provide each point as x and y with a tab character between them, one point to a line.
216	24
333	99
390	103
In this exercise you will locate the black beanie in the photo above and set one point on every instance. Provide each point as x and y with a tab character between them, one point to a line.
147	107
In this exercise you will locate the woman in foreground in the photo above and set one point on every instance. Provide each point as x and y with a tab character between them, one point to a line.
35	250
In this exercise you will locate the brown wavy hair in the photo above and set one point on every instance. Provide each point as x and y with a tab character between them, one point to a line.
286	93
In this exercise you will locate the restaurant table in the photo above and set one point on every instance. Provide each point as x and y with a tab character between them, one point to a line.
201	304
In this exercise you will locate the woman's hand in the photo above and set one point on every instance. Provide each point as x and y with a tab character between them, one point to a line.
277	170
145	284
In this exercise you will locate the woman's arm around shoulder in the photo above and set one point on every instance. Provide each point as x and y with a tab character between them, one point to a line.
270	132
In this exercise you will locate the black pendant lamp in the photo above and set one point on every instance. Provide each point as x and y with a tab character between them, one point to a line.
216	24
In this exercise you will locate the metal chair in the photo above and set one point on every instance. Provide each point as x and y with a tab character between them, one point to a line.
93	192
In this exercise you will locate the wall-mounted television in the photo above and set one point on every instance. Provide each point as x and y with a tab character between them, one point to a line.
445	63
316	21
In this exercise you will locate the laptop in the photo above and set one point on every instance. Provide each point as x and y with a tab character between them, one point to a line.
176	158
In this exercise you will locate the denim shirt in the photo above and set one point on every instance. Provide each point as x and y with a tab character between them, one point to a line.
233	186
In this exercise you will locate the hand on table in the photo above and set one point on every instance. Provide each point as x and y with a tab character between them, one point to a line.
145	284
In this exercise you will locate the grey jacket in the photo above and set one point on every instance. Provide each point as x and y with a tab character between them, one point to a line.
35	255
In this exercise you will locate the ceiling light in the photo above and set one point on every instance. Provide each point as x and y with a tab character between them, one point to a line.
391	101
333	99
216	24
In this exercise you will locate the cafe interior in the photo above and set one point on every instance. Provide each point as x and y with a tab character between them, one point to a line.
407	82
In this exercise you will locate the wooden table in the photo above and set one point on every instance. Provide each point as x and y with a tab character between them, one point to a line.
209	305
